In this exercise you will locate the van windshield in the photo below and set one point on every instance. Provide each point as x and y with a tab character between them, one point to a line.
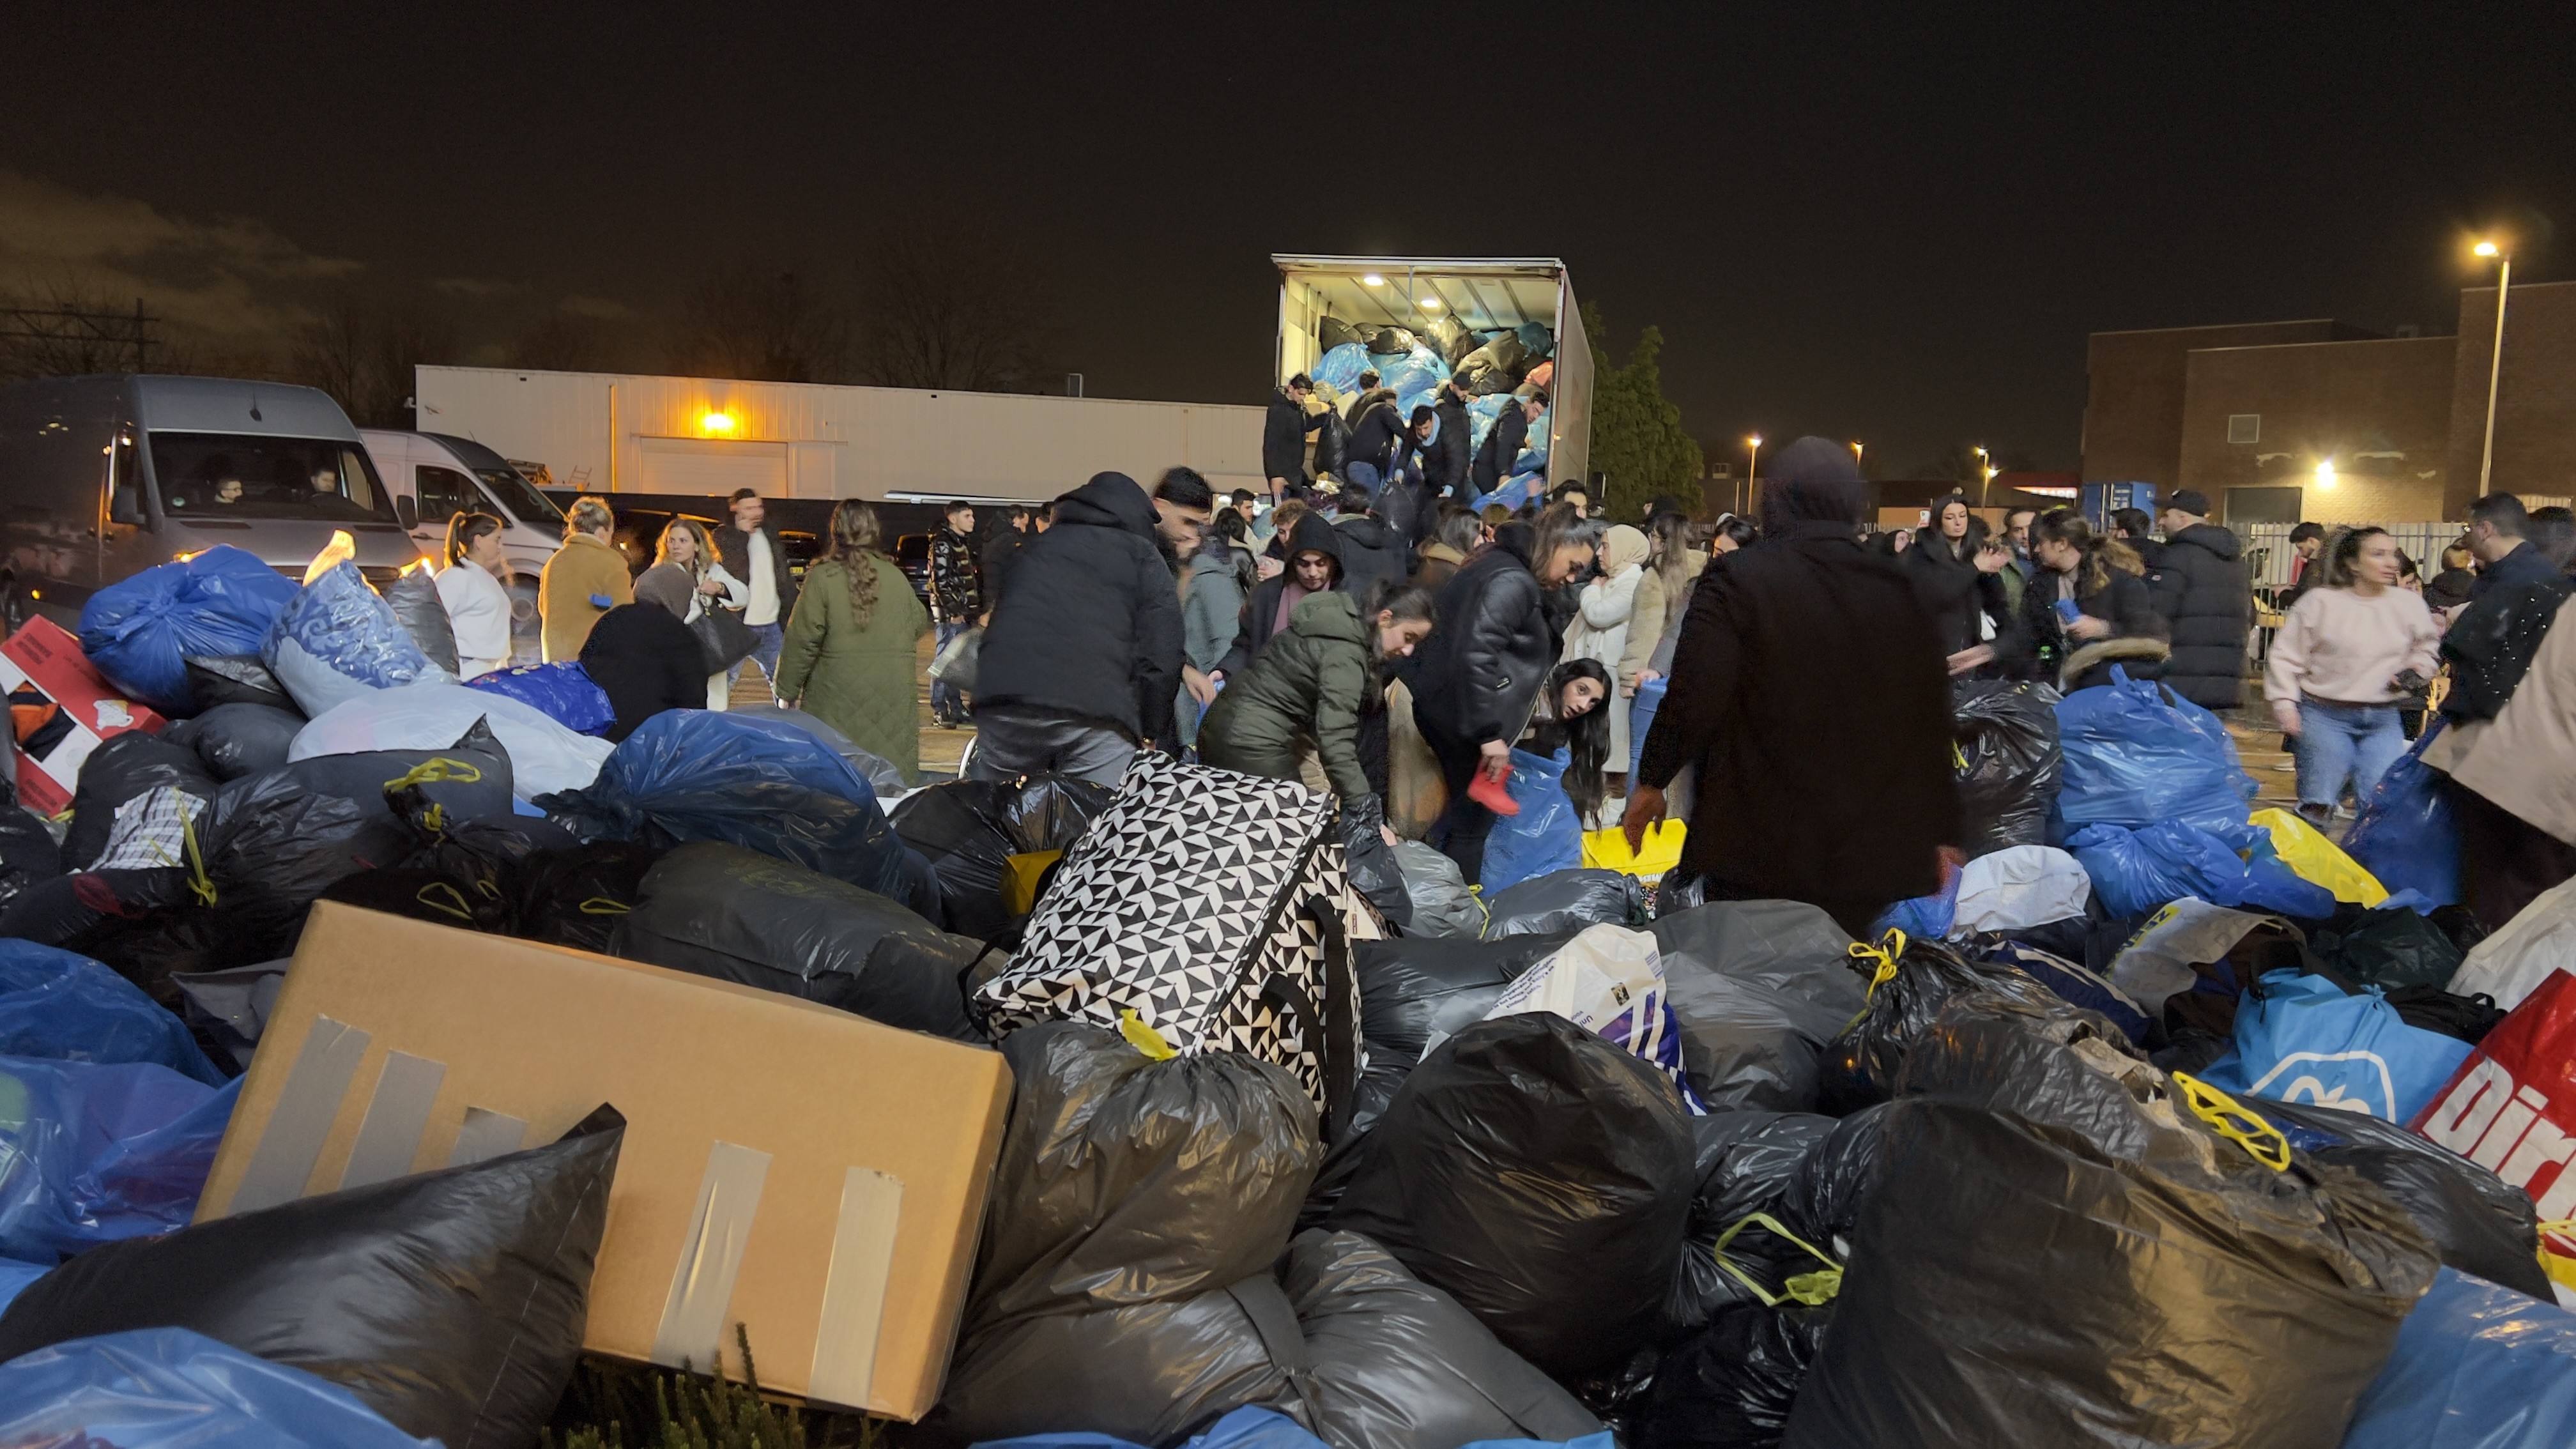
526	504
243	475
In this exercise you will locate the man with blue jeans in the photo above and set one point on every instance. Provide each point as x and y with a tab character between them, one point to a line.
956	600
749	550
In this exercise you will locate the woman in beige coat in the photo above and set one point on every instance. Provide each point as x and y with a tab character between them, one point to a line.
1661	595
2513	784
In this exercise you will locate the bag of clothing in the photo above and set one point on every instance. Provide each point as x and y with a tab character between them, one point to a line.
2137	753
880	772
1563	901
1732	1385
236	679
2316	858
2073	984
2476	1366
1490	368
1390	341
2018	888
29	856
1441	905
2139	871
125	768
233	740
969	829
1547	835
451	1302
423	615
576	897
2523	954
1608	980
97	1152
564	693
1822	1203
1746	1162
1416	993
1340	366
2007	762
336	640
2510	1107
1542	1177
1209	906
2405	835
2301	1039
167	1388
2389	947
2158	1269
1333	332
470	778
545	757
140	630
1760	988
2473	1219
1913	982
721	911
1374	872
56	1006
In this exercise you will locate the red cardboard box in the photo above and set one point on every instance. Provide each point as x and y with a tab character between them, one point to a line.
60	709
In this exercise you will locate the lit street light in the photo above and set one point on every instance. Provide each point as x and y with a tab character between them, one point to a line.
1752	468
1985	465
2495	364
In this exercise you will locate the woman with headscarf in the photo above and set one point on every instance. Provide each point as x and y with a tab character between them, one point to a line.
848	658
687	580
1602	622
1808	690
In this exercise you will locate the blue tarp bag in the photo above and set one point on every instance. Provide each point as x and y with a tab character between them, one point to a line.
1546	836
1417	371
1641	718
338	640
60	1007
563	693
2137	871
168	1388
763	784
2404	834
15	1276
1341	367
1481	415
140	631
92	1153
2137	753
2303	1040
2476	1367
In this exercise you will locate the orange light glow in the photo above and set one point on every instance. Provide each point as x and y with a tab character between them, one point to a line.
716	423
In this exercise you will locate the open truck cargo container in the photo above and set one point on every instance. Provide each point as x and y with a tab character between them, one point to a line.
1482	293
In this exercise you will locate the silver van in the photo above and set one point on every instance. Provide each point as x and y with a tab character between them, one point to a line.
433	477
103	477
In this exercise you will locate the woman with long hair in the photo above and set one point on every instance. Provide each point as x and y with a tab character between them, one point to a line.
2087	608
1309	691
687	580
470	585
849	657
2349	655
1220	576
1572	714
1662	591
1954	565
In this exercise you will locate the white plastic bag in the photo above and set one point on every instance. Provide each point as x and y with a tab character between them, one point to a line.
2512	963
1609	980
2024	886
544	756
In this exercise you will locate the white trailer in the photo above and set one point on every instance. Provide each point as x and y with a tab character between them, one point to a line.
626	433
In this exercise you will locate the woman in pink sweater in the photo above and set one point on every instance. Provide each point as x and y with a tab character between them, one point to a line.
2351	652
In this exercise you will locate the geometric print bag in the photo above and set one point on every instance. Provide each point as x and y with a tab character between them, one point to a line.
1211	904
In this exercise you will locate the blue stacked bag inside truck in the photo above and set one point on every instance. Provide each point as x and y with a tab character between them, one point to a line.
140	631
1341	367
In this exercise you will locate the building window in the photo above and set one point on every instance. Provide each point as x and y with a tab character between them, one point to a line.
2244	427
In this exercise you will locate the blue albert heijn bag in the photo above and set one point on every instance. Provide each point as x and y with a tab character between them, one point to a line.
1546	836
338	640
141	630
2137	753
2405	834
92	1152
2301	1039
564	693
168	1388
2476	1367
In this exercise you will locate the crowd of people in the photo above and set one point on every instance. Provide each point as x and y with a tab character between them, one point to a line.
1335	628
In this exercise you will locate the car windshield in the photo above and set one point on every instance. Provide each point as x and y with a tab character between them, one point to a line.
525	504
236	475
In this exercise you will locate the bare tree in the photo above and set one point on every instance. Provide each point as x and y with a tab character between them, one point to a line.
365	355
562	342
762	326
957	306
63	328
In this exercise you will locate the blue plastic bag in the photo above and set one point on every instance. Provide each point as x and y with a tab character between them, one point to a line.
1341	367
92	1153
1256	1428
2137	871
563	693
337	640
763	784
2303	1040
1481	415
1641	718
15	1276
61	1007
168	1388
1925	918
139	631
2476	1367
1417	371
2405	834
2136	753
1546	836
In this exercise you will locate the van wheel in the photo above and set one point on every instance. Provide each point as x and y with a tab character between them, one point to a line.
527	627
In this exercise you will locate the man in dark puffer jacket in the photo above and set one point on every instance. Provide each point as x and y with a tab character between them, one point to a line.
2205	591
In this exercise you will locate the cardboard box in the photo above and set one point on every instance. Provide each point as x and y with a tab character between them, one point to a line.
808	1173
61	708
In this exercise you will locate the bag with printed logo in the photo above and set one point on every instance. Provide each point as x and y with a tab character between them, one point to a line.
2511	1109
2299	1038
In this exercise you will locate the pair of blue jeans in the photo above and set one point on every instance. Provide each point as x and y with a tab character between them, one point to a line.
764	651
946	700
2343	744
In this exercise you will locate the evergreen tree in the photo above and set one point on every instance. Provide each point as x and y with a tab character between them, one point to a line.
1638	446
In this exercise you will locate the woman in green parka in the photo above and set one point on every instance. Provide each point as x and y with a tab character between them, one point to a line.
1308	689
849	657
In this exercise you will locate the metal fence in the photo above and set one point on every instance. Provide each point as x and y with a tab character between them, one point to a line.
2267	547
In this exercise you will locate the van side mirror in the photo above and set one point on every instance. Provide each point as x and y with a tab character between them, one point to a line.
125	505
407	510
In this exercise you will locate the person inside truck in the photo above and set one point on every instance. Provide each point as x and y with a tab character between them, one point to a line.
1283	434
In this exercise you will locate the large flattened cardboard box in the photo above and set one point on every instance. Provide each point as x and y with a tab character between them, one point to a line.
814	1176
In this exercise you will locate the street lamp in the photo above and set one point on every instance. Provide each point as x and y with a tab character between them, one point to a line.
1752	467
2495	364
1856	450
1985	465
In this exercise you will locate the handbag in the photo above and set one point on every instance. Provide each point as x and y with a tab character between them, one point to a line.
725	638
955	664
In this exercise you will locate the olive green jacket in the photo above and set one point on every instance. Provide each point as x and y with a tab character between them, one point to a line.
863	682
1308	685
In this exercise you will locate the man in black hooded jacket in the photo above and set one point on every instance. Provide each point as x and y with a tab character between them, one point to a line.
1454	451
1313	553
2204	589
1503	444
1283	435
1082	661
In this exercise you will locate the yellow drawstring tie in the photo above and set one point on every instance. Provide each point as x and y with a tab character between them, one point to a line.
1889	947
1144	1038
1811	1289
198	881
2261	1140
428	896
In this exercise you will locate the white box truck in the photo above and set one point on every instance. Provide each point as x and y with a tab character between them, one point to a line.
1480	294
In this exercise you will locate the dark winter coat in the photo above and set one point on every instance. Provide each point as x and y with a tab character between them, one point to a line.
2048	653
2525	565
1477	674
645	661
1502	445
996	561
1374	437
956	578
1440	564
1808	688
1956	594
1089	624
1454	450
1313	534
1283	438
733	549
1372	552
1308	689
2204	589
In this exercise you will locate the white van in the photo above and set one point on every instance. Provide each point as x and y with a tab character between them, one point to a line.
433	477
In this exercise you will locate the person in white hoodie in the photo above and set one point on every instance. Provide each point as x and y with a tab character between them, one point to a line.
2348	656
469	584
1600	630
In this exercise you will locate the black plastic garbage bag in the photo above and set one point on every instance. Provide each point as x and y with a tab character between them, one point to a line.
120	769
1732	1386
2008	762
451	1302
2477	1223
1565	901
719	910
1861	1065
233	740
1374	872
1414	992
1823	1202
1759	988
2389	947
29	856
970	829
576	897
2060	1251
2468	1018
1332	443
1441	905
1392	341
1138	1210
221	679
476	781
231	1009
1746	1163
1394	1363
59	911
425	895
423	616
1542	1177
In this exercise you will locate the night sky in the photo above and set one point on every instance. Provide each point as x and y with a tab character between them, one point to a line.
1896	229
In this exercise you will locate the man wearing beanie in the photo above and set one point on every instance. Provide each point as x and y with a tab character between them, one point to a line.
2203	587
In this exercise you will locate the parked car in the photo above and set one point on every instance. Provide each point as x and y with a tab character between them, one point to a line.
434	477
